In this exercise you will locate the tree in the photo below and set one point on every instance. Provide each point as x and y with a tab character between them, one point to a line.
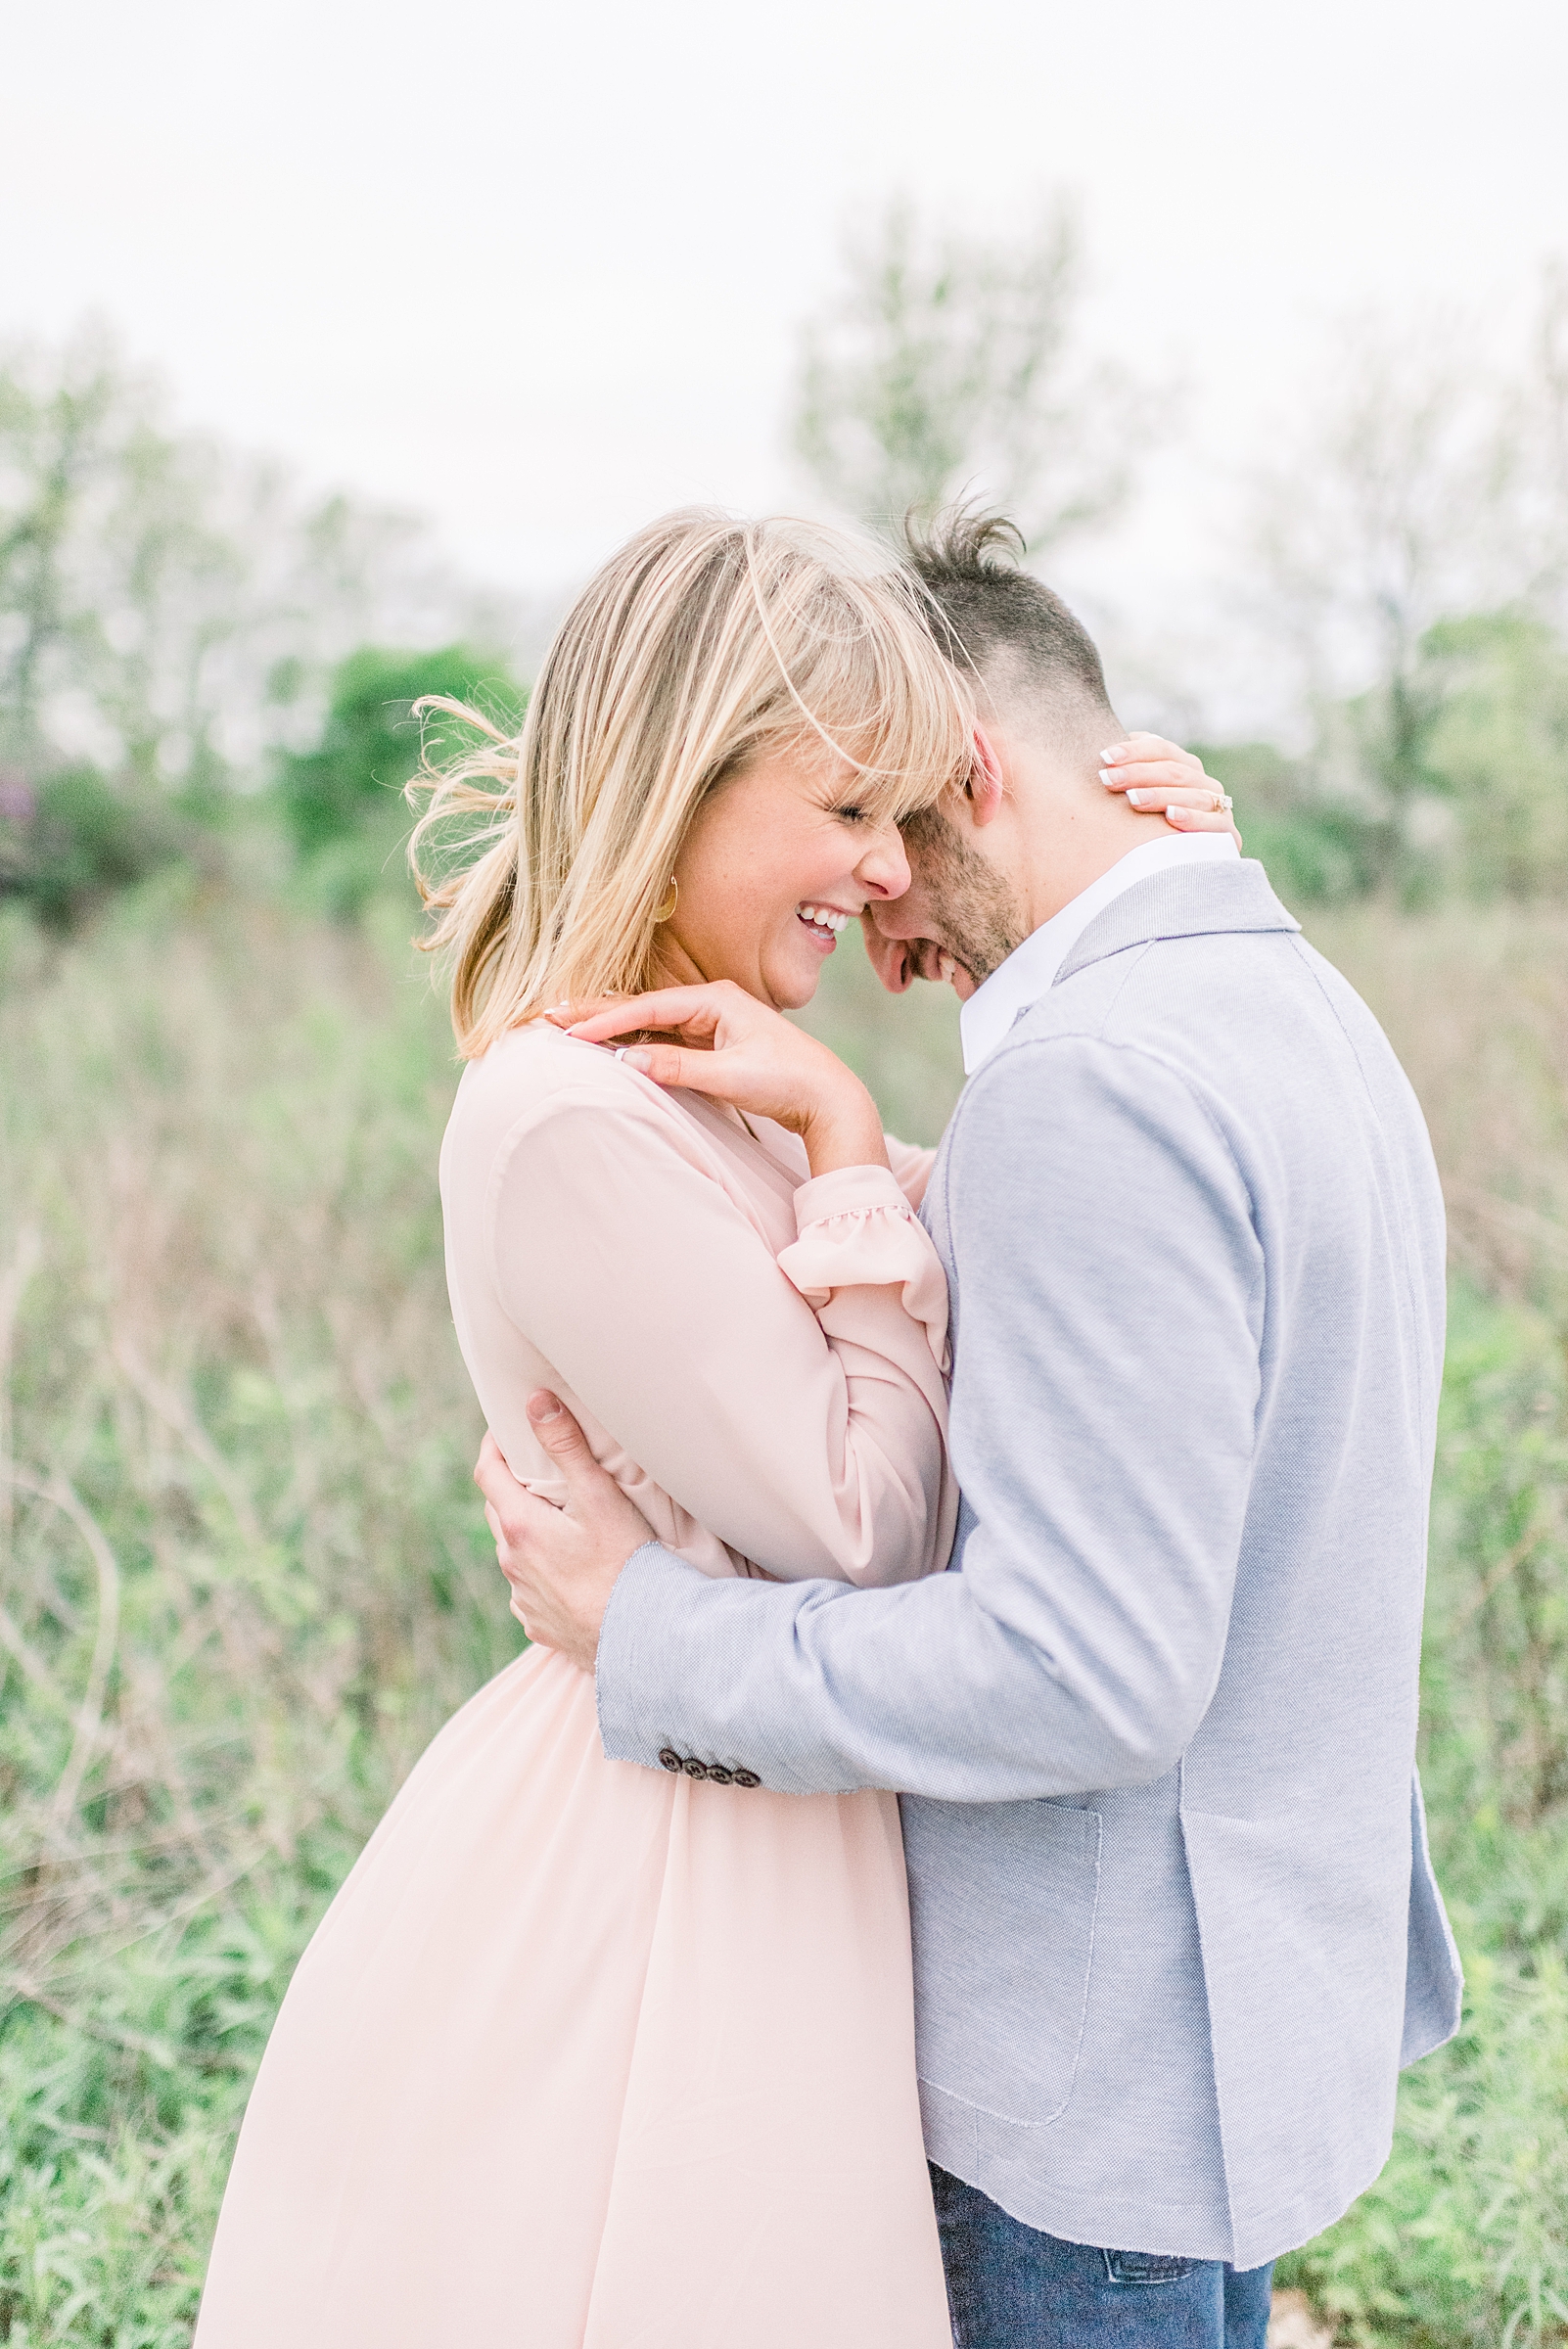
170	610
1540	426
72	841
1420	487
1496	746
949	364
343	801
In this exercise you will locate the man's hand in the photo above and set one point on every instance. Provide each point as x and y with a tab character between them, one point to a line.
561	1563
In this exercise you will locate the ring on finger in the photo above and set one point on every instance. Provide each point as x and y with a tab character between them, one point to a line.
1222	803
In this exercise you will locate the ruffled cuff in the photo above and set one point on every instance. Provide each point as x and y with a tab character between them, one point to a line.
858	1230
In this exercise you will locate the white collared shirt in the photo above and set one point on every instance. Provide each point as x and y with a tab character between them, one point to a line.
1031	969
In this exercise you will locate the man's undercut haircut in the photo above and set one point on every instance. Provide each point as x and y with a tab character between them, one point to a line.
992	619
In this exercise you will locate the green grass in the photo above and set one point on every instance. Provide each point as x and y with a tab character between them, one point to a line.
244	1571
1464	2239
244	1576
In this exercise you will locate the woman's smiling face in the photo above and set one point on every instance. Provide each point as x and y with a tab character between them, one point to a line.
778	862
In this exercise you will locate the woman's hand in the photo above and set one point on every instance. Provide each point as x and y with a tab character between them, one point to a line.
1154	774
734	1049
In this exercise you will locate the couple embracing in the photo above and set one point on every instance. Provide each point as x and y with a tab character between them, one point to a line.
952	1866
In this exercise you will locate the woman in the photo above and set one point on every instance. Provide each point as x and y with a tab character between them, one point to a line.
585	2057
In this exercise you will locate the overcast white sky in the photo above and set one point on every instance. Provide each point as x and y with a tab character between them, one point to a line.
539	272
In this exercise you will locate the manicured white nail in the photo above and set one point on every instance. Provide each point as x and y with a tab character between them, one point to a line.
1116	753
1108	776
1133	798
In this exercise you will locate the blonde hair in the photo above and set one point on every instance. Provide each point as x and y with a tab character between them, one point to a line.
701	644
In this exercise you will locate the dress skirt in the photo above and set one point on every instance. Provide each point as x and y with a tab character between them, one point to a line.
589	2056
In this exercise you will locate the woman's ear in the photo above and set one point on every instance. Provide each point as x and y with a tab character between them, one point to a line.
984	789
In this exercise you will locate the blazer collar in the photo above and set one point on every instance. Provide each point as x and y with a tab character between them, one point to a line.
1188	900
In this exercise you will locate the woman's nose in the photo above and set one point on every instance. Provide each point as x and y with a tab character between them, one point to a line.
884	870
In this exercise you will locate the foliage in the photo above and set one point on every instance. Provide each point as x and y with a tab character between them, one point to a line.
1496	1693
1462	2243
1464	2239
279	1484
1475	802
1320	850
949	365
69	841
1419	485
341	801
1495	749
168	607
243	1573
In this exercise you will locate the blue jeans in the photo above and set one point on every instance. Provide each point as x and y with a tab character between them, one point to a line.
1012	2287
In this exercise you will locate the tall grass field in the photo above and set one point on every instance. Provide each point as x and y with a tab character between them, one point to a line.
244	1574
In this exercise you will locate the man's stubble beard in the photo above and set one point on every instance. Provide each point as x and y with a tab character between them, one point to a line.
981	919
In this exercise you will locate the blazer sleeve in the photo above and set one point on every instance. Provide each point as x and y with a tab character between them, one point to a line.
1107	1377
793	1403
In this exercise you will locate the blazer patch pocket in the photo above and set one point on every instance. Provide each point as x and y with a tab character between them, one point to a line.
1001	1983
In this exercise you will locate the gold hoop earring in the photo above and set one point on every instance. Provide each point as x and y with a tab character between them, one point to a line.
669	901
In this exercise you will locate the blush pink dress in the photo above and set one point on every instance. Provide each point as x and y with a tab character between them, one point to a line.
585	2055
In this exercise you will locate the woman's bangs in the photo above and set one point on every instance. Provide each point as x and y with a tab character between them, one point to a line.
899	714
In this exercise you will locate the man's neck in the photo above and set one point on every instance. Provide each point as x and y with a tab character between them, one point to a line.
1066	828
1070	840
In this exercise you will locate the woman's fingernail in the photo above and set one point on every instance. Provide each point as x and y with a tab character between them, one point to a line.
1177	816
1108	776
543	1406
1133	798
1112	756
635	1059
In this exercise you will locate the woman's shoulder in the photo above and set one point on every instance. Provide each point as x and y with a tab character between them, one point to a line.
536	1080
537	1064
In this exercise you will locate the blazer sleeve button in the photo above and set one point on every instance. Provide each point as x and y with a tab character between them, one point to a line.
746	1778
668	1759
693	1767
720	1776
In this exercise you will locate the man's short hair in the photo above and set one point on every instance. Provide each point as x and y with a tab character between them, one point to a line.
990	615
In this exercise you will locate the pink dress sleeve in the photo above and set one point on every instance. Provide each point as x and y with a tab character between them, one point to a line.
793	1403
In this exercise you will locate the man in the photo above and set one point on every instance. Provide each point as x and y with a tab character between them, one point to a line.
1176	1928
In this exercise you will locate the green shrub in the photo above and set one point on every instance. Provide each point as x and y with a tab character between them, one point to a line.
342	802
72	838
1320	850
1496	747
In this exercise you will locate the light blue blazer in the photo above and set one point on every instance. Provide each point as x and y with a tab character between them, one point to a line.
1176	1926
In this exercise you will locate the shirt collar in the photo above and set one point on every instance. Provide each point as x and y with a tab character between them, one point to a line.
1031	969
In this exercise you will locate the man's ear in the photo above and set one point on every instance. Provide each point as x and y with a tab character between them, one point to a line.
984	789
